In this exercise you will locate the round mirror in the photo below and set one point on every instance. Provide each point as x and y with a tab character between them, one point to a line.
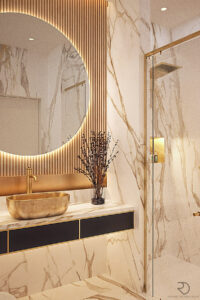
44	87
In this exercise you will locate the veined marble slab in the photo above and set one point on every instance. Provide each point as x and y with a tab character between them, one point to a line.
74	212
99	288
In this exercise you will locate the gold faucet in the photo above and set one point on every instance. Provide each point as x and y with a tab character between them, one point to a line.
29	177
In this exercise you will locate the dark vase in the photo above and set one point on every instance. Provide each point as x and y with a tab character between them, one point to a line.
98	193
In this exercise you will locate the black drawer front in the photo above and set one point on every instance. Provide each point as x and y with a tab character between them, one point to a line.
106	224
27	238
3	242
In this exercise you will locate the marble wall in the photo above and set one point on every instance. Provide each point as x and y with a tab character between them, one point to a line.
28	272
128	40
130	34
65	101
119	254
186	28
13	74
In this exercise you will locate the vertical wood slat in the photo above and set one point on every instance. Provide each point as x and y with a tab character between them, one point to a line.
84	24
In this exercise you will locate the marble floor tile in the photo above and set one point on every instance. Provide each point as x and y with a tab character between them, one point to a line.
169	274
29	272
101	287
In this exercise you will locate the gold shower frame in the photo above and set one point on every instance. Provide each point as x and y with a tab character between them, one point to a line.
83	22
147	55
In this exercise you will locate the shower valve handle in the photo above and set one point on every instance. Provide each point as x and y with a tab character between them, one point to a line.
196	214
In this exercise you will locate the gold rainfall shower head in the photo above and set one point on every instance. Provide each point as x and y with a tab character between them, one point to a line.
163	69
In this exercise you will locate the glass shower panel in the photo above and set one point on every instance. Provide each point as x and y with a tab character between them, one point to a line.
149	174
175	171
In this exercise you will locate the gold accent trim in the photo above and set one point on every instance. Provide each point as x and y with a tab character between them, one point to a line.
103	234
13	252
8	241
89	237
41	224
79	228
158	144
145	177
84	23
108	214
17	185
175	43
75	85
64	221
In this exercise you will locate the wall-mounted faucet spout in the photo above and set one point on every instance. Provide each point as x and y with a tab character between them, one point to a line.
196	214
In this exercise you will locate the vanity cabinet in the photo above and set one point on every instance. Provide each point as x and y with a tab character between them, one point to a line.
22	235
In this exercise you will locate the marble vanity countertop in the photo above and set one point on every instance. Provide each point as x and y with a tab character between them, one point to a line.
75	212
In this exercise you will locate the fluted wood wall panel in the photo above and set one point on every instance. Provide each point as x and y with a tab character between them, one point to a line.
84	23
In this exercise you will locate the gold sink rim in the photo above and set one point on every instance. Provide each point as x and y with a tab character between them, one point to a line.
37	205
37	196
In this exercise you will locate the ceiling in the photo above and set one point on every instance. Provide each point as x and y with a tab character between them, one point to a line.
16	29
178	11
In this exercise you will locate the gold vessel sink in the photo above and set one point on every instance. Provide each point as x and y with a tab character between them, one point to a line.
37	205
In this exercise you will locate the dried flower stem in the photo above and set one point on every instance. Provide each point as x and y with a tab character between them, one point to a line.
94	158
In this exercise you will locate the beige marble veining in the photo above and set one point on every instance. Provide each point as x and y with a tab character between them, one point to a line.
123	255
128	37
126	25
176	182
35	271
56	265
101	287
32	271
69	71
14	79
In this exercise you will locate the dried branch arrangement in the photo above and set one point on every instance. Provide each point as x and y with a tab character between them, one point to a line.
95	160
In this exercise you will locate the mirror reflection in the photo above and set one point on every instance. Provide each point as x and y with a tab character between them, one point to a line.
44	87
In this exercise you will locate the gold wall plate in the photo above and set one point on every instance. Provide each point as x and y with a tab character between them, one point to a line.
159	149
